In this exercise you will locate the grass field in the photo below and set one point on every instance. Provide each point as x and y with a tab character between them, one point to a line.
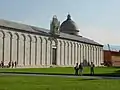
58	83
67	70
55	83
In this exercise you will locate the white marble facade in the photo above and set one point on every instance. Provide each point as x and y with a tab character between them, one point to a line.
32	50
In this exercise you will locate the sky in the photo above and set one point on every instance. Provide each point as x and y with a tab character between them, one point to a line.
98	20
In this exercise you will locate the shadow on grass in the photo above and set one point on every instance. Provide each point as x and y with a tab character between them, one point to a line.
89	79
113	74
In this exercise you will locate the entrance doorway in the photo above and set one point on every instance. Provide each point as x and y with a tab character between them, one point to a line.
54	56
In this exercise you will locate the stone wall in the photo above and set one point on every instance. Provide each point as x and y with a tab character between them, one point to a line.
31	50
76	52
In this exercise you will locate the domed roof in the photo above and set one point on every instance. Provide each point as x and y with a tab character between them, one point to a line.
69	26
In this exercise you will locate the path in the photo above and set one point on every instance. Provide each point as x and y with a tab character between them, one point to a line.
66	76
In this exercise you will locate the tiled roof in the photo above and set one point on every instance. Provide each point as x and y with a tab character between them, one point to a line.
29	28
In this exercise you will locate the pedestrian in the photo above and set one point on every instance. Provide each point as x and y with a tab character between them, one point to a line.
81	69
15	64
12	64
76	69
9	64
92	68
2	64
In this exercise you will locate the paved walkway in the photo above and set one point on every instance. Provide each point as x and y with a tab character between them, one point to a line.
66	76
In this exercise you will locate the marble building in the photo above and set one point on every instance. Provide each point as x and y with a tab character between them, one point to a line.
32	46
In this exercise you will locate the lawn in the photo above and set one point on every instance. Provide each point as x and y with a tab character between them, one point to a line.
58	83
55	83
65	70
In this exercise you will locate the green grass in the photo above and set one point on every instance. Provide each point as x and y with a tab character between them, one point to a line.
55	83
67	70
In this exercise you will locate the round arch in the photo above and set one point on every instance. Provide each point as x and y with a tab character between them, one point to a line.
2	34
24	37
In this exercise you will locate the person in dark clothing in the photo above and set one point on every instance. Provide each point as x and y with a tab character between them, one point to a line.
9	64
92	68
2	64
80	69
12	64
76	69
15	64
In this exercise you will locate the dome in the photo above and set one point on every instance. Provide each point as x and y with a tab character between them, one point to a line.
69	26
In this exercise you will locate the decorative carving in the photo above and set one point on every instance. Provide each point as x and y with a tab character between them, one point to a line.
54	26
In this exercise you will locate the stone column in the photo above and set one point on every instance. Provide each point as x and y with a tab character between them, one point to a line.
96	56
68	54
14	48
98	63
7	48
28	50
41	50
21	50
46	50
64	51
92	53
38	50
99	56
96	59
78	54
82	53
33	51
1	45
88	54
76	61
72	53
101	51
60	53
87	57
85	49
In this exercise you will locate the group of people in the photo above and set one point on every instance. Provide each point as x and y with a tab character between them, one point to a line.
10	64
79	69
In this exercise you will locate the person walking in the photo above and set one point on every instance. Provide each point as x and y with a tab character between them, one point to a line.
12	64
76	69
81	69
2	64
15	64
92	68
9	64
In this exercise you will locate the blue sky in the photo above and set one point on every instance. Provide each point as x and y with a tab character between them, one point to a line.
97	19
